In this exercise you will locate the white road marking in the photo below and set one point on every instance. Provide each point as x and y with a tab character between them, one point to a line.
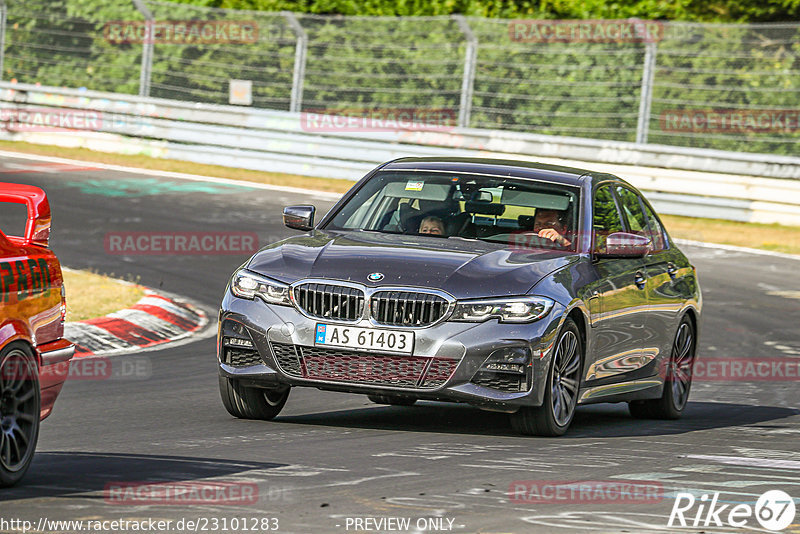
742	460
441	451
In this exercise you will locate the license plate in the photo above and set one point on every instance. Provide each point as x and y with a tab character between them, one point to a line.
354	337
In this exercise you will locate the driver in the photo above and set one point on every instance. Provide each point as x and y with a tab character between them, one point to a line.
550	224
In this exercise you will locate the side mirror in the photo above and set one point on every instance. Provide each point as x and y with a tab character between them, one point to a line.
625	245
299	217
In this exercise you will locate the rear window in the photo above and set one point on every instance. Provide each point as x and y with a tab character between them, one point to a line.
13	217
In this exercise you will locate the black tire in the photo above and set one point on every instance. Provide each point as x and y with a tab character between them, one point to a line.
393	400
555	415
251	403
677	379
20	405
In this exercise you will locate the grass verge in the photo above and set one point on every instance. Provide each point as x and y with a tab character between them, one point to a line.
171	165
94	295
772	237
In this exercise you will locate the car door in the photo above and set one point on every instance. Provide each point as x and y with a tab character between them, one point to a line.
617	303
666	269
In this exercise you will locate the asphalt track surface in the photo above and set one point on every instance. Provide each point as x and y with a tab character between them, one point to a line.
330	457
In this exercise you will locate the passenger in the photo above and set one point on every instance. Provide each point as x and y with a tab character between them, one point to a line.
431	225
550	224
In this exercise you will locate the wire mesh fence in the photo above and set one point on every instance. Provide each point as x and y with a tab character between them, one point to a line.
731	87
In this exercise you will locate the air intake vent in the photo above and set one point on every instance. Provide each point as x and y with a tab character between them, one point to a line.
500	381
286	358
326	301
408	308
242	358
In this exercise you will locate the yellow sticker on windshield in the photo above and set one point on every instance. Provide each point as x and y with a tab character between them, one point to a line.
414	186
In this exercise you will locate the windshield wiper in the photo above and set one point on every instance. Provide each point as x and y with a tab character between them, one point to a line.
465	238
373	231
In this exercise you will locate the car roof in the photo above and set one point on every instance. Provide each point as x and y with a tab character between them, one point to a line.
499	167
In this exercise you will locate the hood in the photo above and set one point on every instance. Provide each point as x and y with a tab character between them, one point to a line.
465	269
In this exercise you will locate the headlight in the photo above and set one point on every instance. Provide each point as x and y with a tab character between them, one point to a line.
506	309
248	285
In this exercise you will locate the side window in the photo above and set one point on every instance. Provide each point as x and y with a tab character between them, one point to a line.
357	218
629	202
654	230
13	218
605	217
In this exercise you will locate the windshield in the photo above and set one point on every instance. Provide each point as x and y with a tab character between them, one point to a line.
467	206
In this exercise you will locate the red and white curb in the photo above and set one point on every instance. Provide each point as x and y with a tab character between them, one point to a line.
154	320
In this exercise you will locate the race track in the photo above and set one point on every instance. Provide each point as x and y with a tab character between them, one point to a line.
332	457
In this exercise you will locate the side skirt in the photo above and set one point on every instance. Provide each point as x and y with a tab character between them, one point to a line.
640	389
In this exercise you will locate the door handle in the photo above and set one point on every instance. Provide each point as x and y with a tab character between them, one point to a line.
672	270
639	280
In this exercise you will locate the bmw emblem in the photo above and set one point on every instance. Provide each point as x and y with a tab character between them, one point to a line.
375	277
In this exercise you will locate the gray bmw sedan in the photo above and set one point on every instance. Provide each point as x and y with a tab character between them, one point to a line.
511	286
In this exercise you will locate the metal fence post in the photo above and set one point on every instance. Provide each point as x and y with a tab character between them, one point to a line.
646	97
146	71
468	79
296	101
3	15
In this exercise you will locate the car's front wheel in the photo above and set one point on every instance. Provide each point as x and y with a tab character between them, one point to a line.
249	402
555	414
19	412
677	379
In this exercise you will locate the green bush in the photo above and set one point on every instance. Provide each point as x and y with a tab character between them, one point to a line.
583	89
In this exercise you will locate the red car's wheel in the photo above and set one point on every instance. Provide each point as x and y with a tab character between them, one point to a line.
19	412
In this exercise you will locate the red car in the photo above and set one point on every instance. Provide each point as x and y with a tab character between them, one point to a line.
34	356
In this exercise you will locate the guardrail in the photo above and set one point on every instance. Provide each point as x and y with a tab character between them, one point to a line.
682	181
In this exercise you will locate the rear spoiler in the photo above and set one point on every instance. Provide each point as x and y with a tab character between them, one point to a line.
37	229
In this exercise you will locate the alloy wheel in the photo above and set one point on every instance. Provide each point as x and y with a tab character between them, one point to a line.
18	410
681	364
274	397
564	382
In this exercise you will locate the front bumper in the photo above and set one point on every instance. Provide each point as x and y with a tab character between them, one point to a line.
446	364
